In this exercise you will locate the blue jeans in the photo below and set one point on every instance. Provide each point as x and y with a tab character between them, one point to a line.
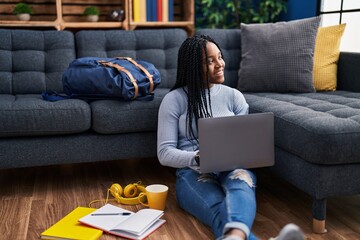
222	201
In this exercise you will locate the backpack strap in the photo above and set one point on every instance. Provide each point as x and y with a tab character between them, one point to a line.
144	70
53	96
124	70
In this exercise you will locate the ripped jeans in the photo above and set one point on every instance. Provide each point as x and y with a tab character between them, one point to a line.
222	201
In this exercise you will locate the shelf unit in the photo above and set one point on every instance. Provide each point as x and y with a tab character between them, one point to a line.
63	23
7	19
60	23
186	22
67	14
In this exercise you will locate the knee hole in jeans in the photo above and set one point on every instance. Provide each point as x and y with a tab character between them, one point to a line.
243	175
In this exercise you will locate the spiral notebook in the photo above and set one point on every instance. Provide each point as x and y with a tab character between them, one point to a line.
124	223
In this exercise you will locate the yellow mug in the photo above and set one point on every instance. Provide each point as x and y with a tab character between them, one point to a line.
156	195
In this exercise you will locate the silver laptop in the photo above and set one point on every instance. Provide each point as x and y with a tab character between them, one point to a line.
227	143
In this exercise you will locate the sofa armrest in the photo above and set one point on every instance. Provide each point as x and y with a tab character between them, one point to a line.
348	76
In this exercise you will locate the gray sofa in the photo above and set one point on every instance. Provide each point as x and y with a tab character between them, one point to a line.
316	134
34	132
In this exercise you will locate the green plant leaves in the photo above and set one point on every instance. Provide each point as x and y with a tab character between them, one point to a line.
229	14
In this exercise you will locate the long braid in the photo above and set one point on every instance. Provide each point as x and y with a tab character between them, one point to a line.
190	79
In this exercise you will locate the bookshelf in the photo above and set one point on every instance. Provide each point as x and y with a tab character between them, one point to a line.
46	16
65	14
184	17
70	15
62	14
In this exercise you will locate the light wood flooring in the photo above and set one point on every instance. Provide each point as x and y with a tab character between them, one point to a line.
32	199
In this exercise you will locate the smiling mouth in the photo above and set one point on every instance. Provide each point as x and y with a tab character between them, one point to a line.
218	73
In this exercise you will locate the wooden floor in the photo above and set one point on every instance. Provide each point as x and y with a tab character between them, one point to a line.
32	199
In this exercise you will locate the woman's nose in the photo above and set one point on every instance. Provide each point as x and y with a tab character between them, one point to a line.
218	63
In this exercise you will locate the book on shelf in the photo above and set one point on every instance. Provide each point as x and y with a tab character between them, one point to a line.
124	223
136	10
154	9
148	10
165	10
142	10
159	17
171	10
150	6
70	228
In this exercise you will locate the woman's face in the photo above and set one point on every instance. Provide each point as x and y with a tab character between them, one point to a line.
216	65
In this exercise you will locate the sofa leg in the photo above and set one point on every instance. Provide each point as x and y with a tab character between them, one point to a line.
319	226
319	215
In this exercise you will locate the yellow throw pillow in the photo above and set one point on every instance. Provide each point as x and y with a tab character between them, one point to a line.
326	56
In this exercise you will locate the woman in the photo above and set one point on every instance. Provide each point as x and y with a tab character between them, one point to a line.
225	201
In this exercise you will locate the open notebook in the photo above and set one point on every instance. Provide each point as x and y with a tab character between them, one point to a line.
111	219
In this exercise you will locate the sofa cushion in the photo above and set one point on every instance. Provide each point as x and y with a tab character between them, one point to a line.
29	115
112	116
33	61
278	57
321	128
326	57
159	47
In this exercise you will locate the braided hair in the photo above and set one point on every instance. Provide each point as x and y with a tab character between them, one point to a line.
190	78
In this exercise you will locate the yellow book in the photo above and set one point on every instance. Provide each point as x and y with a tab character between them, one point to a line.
136	10
70	228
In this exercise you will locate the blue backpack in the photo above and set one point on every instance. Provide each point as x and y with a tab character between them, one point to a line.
92	78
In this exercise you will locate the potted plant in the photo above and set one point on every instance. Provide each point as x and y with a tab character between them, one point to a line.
23	11
92	13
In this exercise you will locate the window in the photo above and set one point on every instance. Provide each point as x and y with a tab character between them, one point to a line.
343	11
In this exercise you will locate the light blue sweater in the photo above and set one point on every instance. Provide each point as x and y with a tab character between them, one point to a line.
174	149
